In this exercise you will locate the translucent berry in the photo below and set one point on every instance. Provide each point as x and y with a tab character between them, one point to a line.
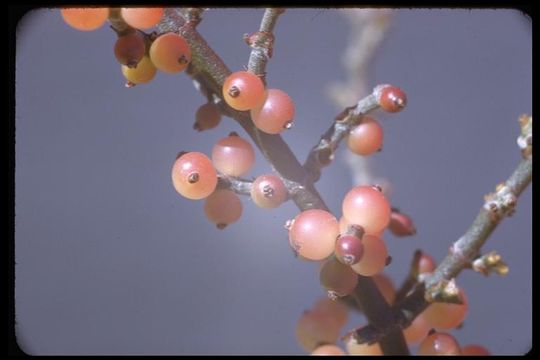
142	18
313	234
446	315
316	327
344	225
335	308
417	331
477	350
275	114
193	176
366	138
392	99
374	259
129	49
268	191
233	155
207	117
386	287
368	207
144	71
363	349
170	53
329	350
223	207
338	279
85	19
349	249
439	343
243	90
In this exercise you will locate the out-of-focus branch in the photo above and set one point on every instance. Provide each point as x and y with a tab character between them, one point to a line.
369	28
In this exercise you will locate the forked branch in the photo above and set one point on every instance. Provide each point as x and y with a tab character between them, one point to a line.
209	72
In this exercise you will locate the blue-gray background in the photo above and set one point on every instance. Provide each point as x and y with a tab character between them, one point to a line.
111	260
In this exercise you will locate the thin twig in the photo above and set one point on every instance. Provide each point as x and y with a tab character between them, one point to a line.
238	185
463	252
323	153
262	42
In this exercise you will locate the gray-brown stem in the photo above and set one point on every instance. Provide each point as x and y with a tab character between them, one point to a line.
209	71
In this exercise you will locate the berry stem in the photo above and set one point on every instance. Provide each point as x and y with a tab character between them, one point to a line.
236	184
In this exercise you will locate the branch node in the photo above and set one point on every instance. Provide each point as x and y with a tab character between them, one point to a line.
500	203
193	16
355	230
524	140
490	262
236	184
444	291
261	41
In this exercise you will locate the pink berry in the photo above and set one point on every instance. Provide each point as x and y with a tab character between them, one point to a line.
374	259
439	343
243	90
223	208
313	234
268	191
366	138
338	279
233	155
368	207
477	350
275	114
447	315
193	176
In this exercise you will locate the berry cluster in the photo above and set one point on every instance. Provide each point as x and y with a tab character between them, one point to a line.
139	54
195	176
272	110
315	327
347	248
